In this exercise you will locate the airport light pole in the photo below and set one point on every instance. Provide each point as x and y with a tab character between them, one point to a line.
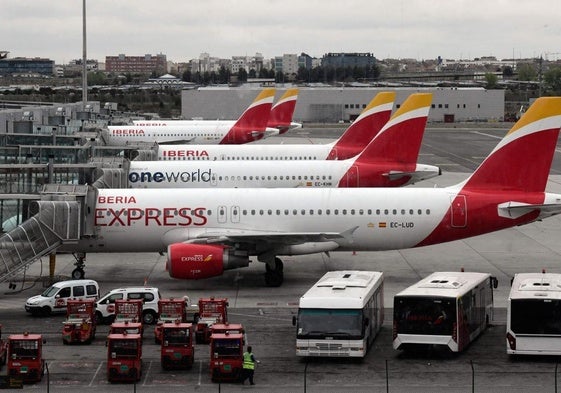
84	59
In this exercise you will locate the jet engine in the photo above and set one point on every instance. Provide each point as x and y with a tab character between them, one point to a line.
193	261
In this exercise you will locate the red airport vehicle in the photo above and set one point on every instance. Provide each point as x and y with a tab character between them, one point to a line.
124	357
226	356
229	328
169	310
126	326
211	310
25	357
3	349
129	311
177	351
79	326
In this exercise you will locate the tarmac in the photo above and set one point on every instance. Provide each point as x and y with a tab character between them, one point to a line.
267	312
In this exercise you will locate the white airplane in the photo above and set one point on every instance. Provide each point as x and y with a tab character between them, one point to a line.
251	126
207	231
279	118
389	160
352	142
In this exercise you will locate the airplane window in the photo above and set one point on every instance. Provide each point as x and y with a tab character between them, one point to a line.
261	212
428	212
419	212
251	178
209	212
411	211
274	178
286	212
345	212
294	212
353	212
305	177
268	177
328	212
402	211
323	177
278	212
245	177
361	212
244	212
269	212
329	177
253	212
299	177
319	212
226	178
394	212
336	211
239	178
222	212
311	212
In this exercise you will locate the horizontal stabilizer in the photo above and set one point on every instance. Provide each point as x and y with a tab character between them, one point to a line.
518	209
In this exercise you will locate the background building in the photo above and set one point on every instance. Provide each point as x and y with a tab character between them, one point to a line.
146	64
25	66
332	105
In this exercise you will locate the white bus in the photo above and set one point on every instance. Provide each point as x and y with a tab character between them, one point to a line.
445	309
533	317
340	315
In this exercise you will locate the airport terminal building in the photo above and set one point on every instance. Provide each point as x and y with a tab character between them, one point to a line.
335	104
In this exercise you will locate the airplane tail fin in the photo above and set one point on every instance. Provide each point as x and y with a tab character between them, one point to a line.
400	139
522	160
283	110
365	127
251	125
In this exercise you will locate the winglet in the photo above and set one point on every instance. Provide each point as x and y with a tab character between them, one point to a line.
254	118
365	127
522	160
400	139
283	110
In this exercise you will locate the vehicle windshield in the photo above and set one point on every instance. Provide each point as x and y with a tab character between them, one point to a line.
535	316
424	315
337	323
124	348
176	336
50	291
24	348
224	348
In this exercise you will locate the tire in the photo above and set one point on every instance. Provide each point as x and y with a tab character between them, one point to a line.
98	318
78	274
45	311
149	317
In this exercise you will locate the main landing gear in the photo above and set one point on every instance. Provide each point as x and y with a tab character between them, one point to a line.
274	275
78	272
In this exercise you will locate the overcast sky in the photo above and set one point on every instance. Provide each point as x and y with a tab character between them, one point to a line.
182	30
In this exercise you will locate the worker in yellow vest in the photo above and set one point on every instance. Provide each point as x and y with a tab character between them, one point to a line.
248	365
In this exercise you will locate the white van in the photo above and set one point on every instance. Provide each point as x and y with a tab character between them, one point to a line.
105	307
54	298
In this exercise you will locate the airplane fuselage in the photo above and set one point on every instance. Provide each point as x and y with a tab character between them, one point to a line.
188	134
385	219
273	174
248	152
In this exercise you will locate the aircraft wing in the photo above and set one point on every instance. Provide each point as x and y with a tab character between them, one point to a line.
263	239
178	142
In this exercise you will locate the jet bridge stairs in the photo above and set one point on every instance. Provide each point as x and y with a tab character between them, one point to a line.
56	219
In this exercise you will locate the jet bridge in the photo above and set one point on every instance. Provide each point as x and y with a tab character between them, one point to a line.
55	220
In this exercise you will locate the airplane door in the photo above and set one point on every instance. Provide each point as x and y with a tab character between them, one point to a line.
352	176
222	214
235	213
459	212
